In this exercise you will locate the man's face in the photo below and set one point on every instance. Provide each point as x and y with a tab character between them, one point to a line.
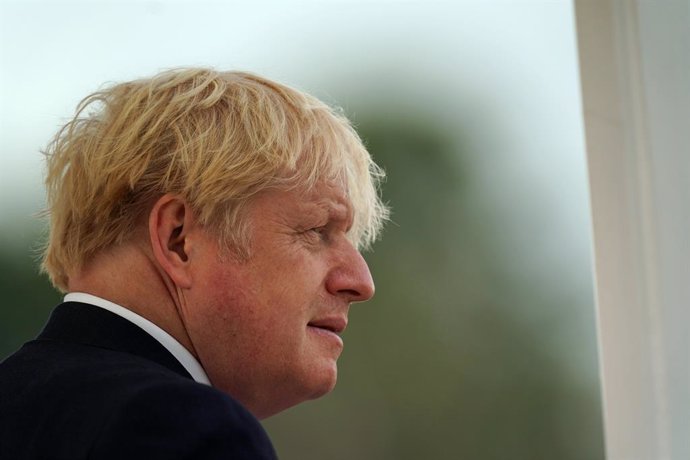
266	330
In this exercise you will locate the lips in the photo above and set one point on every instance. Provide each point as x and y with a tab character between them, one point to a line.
334	324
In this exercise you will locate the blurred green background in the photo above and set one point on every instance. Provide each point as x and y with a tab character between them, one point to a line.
480	342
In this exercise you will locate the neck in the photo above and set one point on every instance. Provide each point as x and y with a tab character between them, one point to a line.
128	277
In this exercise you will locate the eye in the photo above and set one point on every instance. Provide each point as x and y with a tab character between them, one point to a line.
318	230
317	233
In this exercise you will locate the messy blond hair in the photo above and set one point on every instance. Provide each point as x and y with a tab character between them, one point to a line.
214	138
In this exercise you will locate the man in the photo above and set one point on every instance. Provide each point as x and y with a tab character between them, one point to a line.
206	227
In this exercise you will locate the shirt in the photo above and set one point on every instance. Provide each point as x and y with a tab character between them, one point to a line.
188	361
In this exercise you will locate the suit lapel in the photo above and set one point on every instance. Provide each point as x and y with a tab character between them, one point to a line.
86	324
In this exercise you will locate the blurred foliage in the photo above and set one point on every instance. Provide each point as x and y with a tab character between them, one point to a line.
449	360
28	297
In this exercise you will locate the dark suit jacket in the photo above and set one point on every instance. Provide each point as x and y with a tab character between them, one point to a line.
95	386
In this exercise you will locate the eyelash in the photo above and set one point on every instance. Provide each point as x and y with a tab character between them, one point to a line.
320	232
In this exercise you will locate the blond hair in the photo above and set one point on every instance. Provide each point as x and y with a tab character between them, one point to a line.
215	139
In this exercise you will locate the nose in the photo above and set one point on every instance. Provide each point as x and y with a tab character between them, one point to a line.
351	279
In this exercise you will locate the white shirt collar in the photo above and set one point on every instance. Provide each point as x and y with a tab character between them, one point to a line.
180	353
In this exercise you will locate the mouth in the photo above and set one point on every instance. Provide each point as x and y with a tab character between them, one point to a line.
334	324
329	329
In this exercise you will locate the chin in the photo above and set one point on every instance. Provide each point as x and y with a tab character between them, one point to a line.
309	385
324	383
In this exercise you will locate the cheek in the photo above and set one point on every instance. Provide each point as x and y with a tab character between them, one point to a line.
257	315
251	318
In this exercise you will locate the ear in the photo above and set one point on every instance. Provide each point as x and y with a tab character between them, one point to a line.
170	223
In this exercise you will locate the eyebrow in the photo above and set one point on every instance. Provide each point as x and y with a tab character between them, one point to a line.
340	210
343	211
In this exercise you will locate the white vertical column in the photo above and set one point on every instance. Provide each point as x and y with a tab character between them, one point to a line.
635	73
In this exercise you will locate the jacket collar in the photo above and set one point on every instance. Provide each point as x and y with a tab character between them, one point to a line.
85	324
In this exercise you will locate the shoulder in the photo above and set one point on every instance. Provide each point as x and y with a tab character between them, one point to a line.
179	418
79	401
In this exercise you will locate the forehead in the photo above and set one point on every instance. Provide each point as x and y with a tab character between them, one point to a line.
324	196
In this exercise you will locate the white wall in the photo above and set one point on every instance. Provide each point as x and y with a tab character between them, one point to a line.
635	71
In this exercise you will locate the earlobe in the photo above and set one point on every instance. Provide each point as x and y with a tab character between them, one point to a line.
170	221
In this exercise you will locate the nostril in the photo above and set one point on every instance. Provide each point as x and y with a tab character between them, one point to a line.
357	292
351	293
349	289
